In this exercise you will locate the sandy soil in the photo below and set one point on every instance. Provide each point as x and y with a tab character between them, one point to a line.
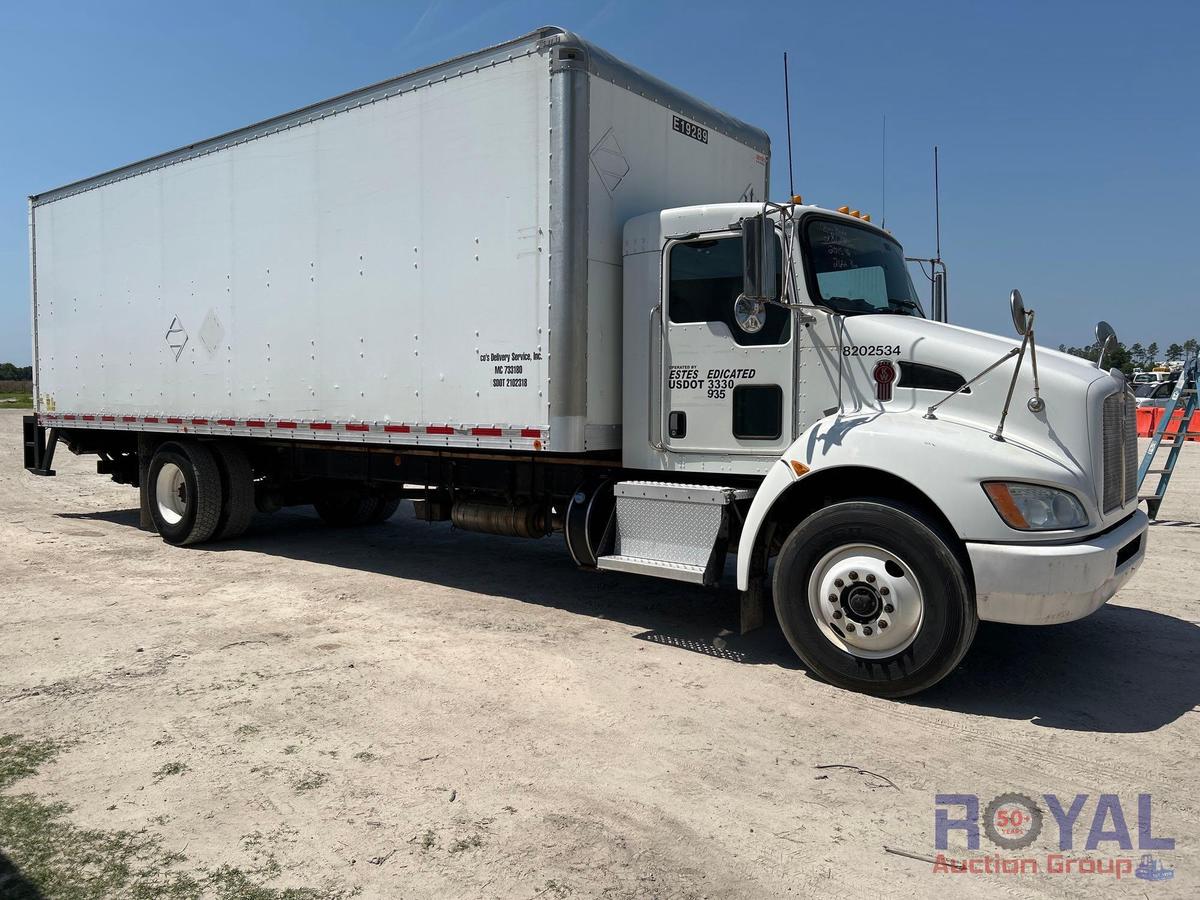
416	712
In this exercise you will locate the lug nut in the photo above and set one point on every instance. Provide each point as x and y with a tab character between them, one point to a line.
870	579
833	598
839	583
866	629
883	623
885	591
849	626
854	576
887	607
837	613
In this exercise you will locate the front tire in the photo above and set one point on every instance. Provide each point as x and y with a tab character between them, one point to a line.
873	598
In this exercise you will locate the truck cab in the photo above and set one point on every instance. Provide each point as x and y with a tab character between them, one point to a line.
875	441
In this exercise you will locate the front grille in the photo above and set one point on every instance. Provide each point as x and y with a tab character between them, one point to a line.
1120	449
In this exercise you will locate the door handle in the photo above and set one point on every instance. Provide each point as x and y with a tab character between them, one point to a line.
677	423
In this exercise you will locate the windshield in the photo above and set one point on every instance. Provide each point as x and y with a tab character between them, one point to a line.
857	270
1153	390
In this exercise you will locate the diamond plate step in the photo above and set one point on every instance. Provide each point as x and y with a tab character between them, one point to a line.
675	531
656	567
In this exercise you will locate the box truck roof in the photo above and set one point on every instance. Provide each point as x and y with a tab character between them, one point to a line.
598	62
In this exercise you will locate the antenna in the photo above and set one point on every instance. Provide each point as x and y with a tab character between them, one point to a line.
883	174
937	207
787	103
938	276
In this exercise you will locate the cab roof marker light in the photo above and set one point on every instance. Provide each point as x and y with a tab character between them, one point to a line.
844	209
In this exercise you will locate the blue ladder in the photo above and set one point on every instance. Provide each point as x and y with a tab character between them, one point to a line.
1185	389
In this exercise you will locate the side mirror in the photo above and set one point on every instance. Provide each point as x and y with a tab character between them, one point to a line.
1017	307
1106	336
939	297
760	259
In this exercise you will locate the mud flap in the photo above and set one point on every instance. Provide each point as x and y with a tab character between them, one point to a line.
40	443
753	606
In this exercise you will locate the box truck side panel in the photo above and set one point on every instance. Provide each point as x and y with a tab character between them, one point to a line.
386	263
646	156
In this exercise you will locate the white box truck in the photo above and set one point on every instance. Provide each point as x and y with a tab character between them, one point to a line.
537	290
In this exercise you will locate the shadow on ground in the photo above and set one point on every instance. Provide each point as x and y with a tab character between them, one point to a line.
14	885
1120	670
116	516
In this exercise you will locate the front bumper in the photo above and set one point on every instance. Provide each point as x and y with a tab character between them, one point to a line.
1043	585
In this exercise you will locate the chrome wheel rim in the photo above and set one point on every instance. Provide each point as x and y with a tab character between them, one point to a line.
171	494
866	601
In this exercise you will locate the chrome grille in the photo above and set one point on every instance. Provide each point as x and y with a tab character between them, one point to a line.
1120	449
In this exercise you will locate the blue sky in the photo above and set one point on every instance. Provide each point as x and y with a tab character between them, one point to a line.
1069	132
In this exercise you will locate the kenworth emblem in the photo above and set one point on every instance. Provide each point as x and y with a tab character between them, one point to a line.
884	375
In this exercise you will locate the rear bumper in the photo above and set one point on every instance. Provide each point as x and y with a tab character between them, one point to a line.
1043	585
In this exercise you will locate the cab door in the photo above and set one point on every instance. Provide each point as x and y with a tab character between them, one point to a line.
727	390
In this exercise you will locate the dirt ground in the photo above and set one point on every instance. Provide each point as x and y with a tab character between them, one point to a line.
407	711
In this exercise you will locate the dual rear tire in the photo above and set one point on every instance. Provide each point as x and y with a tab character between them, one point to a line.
348	509
199	492
186	494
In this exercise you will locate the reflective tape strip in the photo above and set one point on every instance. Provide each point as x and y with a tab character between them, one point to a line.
477	431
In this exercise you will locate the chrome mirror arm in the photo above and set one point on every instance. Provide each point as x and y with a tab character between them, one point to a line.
929	413
1035	403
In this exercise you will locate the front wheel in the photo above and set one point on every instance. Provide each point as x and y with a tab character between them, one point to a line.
873	598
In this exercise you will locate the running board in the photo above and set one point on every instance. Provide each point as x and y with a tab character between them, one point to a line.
656	567
674	531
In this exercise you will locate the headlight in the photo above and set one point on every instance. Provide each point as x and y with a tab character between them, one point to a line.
1031	507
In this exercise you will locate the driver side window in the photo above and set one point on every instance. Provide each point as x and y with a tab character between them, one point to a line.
706	279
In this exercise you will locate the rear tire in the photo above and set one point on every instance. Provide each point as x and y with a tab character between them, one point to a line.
237	492
185	492
385	508
873	598
346	509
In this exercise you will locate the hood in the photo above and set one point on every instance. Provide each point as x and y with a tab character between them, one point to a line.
933	357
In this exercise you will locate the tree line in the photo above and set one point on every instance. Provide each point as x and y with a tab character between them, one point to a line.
9	372
1137	356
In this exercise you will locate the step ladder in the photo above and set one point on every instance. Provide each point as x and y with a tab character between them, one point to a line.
1182	398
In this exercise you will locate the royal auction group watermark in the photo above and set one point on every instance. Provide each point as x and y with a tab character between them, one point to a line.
1111	831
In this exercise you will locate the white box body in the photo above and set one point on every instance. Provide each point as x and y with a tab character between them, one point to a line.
432	260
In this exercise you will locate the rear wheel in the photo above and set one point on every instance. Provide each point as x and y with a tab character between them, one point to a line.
873	598
346	509
385	508
185	492
237	492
